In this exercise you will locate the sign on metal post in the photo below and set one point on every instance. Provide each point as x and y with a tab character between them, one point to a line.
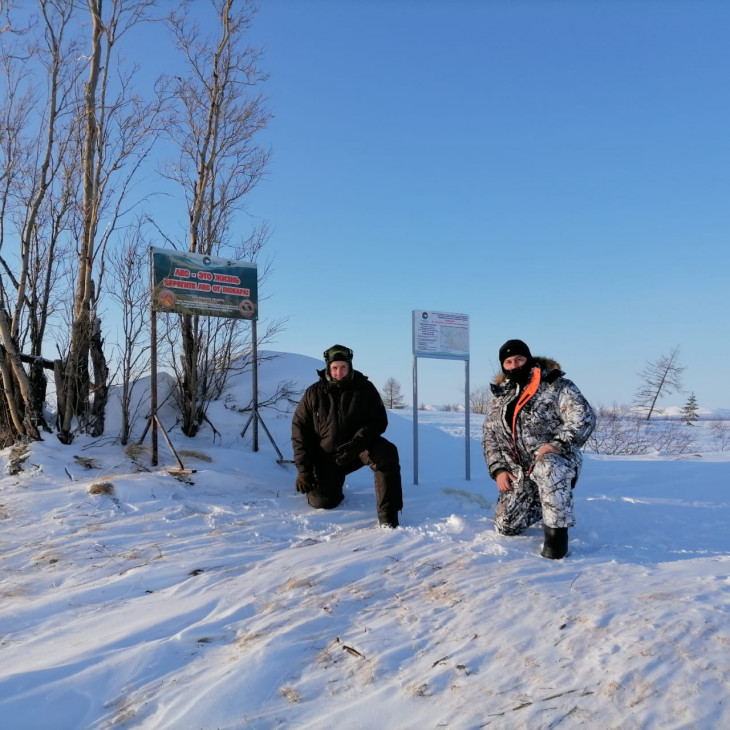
445	336
197	284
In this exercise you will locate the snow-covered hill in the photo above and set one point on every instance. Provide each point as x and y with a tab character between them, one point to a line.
132	599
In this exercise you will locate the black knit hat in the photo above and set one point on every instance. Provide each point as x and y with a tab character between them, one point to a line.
337	353
512	348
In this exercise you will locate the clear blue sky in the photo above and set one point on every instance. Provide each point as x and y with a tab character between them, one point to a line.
559	171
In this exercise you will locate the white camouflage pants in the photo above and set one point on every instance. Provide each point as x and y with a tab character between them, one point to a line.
546	494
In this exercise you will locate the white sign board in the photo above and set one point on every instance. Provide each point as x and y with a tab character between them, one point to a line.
440	334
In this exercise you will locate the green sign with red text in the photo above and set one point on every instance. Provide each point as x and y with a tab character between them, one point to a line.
192	283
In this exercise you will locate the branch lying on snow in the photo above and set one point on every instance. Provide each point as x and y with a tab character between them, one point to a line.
528	703
350	650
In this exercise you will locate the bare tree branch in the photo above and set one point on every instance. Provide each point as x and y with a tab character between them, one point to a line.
660	378
218	117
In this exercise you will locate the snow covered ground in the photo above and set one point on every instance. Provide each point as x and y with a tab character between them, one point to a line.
134	599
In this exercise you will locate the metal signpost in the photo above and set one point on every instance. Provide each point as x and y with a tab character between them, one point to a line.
445	336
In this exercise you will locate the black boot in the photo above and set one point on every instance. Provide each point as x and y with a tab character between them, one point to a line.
388	519
556	543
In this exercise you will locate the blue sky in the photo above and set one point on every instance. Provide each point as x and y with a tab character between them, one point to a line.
559	171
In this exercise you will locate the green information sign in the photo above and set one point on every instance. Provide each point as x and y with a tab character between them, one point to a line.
191	283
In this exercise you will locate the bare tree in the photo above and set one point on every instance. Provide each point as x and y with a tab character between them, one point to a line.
130	289
74	131
119	130
35	135
391	394
479	398
219	115
659	378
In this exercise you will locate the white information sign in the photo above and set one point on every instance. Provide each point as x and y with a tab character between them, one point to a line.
440	334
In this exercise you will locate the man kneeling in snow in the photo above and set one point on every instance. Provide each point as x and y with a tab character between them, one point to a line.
337	428
537	423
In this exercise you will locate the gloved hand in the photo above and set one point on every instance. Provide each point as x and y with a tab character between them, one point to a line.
305	483
347	452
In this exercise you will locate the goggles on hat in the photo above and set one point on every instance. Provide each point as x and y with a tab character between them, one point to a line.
338	353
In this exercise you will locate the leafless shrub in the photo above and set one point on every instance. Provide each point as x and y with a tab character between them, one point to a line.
720	434
285	396
619	432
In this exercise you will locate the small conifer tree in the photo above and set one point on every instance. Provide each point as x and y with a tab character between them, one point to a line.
689	412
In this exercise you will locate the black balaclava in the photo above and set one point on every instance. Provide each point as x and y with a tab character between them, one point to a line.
519	375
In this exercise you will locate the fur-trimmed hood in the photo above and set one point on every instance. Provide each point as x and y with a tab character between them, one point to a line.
546	364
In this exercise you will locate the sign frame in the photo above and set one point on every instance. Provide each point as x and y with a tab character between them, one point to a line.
444	336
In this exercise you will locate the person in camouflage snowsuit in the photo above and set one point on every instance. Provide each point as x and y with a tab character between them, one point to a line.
536	424
336	429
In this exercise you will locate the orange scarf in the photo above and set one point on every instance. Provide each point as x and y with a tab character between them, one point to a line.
525	396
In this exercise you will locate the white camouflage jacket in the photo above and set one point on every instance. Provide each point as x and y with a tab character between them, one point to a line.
557	414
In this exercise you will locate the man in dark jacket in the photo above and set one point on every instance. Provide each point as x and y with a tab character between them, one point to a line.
537	423
337	428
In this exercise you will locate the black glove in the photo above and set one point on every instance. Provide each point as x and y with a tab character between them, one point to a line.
305	483
347	452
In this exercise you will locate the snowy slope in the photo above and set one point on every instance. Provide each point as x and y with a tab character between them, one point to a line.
223	601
